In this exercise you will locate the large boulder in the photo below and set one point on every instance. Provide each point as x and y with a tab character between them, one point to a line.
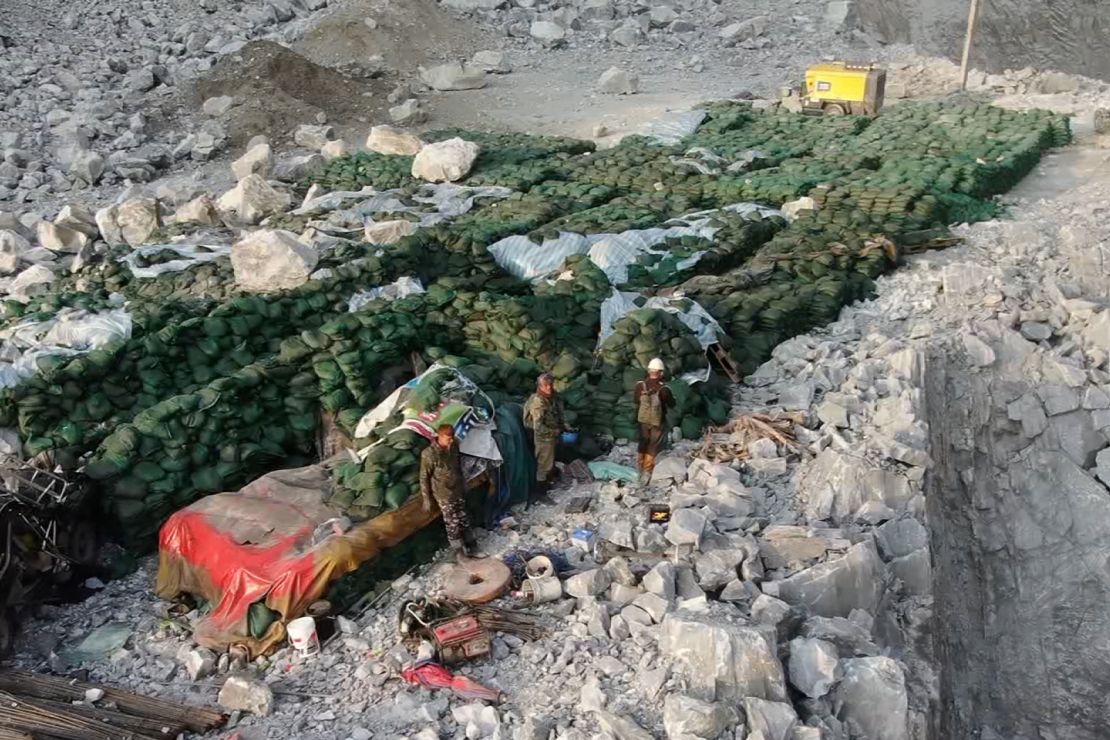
12	245
723	661
132	222
770	720
313	137
298	167
31	282
836	587
445	161
271	260
253	199
392	140
812	666
685	717
256	161
200	210
86	166
615	81
78	219
836	485
453	76
871	699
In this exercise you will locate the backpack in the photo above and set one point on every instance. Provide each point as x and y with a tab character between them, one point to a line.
651	409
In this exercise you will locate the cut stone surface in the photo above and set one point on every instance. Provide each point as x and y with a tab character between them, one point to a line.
389	232
687	717
770	720
589	583
872	697
836	587
723	661
812	666
686	527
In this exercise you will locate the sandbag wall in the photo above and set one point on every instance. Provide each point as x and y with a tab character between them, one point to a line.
156	414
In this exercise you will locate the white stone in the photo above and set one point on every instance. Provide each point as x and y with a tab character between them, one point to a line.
244	694
12	245
616	81
685	717
791	209
744	30
547	32
771	720
218	105
445	161
256	161
978	351
271	260
836	587
812	667
589	583
200	210
621	594
494	62
660	580
87	166
252	200
333	149
131	222
388	232
872	696
31	282
453	76
686	527
410	112
313	137
655	606
391	140
60	238
621	728
200	663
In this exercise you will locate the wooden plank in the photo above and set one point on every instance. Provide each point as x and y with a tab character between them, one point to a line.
972	19
39	686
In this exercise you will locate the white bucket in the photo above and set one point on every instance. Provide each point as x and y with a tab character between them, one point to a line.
539	567
541	590
302	635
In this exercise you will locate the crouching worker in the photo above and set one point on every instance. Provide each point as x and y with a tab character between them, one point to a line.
441	479
543	414
652	400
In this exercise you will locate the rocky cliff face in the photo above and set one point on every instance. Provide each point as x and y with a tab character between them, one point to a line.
1067	35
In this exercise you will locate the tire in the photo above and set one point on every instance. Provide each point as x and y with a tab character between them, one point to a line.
835	109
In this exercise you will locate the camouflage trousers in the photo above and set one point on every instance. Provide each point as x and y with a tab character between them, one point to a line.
455	521
545	457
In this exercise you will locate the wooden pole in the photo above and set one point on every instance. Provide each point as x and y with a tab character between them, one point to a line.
972	17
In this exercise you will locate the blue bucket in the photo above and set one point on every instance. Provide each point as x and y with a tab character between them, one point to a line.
570	438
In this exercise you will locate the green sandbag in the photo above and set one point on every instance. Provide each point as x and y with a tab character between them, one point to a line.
691	427
149	471
397	494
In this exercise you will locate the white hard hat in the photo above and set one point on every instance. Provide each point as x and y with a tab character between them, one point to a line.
656	364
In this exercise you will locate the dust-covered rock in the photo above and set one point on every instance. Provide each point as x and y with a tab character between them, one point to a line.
271	260
445	161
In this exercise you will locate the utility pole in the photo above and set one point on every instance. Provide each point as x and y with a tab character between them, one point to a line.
972	17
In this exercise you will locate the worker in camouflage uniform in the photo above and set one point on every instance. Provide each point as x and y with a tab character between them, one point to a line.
652	399
441	480
543	414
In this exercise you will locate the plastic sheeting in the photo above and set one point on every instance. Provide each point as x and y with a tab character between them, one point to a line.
613	253
68	333
672	128
690	313
236	549
430	204
191	255
400	288
461	391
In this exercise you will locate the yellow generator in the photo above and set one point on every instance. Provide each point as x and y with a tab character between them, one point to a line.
838	88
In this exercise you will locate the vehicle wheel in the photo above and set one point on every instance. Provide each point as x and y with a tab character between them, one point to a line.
835	109
7	633
80	543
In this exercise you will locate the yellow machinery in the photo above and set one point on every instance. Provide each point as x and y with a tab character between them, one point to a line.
838	88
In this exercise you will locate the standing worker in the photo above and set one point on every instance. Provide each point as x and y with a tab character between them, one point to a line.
652	400
441	479
543	414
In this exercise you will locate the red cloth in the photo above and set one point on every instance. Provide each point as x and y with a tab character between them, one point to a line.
434	676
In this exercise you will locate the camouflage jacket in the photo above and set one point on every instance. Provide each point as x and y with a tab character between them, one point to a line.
544	415
441	475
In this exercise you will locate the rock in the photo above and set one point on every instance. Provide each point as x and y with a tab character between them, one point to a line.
252	200
979	352
850	638
618	532
1035	331
256	161
200	663
872	697
1102	465
655	606
723	661
634	615
410	112
791	209
480	721
621	571
744	30
596	10
472	5
1058	399
548	32
131	222
271	260
333	149
797	397
621	728
219	105
769	610
60	238
840	15
87	166
453	76
200	210
621	594
9	222
494	62
591	697
836	587
628	35
12	245
1053	83
835	485
389	232
140	80
685	717
77	219
770	720
31	282
93	695
812	667
390	140
1102	121
297	168
313	137
244	694
660	580
794	547
662	16
915	571
686	527
589	583
900	537
718	567
615	81
361	733
445	161
1029	411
